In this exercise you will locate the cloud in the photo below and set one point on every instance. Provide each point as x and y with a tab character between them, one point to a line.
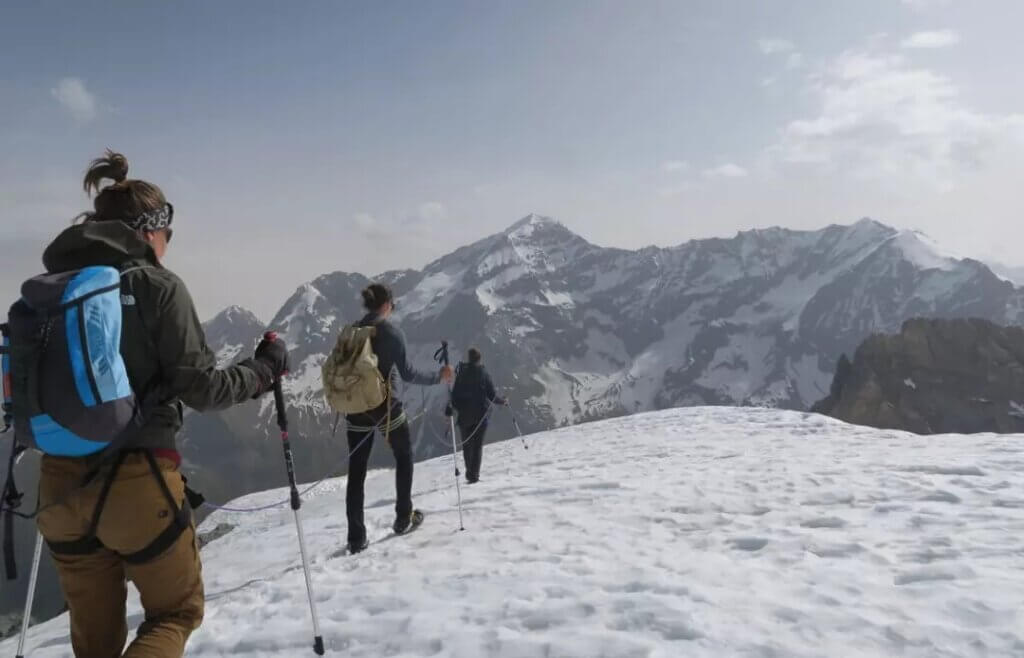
934	39
878	116
675	166
771	47
419	221
366	223
431	211
73	96
775	46
729	170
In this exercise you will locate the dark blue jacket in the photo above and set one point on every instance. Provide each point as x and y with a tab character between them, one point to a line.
473	393
389	346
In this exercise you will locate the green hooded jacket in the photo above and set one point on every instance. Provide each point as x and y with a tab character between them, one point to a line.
162	341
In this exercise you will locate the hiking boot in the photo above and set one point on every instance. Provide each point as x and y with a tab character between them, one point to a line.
409	523
470	480
358	546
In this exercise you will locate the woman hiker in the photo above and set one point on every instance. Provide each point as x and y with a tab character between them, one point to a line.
389	419
130	521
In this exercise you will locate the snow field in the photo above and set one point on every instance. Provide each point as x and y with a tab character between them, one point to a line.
695	532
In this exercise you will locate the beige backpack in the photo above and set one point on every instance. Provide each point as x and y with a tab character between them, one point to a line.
352	382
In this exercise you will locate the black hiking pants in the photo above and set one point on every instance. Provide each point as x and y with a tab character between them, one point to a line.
360	445
473	448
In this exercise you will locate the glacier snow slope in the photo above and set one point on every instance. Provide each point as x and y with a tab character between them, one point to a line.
694	532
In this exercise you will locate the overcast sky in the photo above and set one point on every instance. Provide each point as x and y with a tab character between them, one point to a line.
300	138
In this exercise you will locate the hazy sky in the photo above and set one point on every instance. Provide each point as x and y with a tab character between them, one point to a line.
300	138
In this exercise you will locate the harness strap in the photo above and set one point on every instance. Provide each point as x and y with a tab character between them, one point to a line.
387	401
396	422
182	521
90	543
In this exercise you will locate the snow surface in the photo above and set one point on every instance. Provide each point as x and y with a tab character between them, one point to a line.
697	532
924	252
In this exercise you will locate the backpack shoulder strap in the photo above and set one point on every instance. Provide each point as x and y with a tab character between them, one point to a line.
147	397
5	386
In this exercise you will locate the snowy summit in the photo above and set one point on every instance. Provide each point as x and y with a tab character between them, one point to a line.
697	532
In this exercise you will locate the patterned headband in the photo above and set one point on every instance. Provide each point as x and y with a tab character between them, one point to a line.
153	220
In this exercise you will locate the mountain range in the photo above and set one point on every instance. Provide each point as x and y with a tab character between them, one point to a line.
574	332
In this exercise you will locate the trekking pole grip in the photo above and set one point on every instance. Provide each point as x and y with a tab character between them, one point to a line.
282	417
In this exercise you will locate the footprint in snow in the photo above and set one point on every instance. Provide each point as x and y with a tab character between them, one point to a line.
824	522
941	496
601	486
749	544
944	470
835	550
927	575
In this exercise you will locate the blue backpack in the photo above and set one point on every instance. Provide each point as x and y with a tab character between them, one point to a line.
66	387
67	392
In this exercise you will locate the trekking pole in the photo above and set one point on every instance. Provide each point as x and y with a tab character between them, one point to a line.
296	502
515	424
31	595
442	356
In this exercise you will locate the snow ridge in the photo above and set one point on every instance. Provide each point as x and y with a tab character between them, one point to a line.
703	532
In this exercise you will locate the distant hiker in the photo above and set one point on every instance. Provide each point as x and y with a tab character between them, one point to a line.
387	344
122	330
472	397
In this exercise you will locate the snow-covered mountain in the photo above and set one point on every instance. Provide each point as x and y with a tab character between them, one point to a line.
1012	273
578	332
232	333
701	532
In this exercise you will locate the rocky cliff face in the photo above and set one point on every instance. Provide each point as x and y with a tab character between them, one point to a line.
935	376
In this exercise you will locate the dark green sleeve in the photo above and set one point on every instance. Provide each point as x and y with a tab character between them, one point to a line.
188	365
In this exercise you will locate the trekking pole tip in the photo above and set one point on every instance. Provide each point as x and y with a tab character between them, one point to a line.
318	645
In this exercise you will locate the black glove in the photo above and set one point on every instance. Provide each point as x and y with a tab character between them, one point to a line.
273	353
270	362
448	411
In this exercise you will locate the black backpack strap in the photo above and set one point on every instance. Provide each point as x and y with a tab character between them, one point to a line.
5	388
153	385
12	500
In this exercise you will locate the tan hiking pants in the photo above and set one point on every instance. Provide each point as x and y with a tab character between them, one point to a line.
95	585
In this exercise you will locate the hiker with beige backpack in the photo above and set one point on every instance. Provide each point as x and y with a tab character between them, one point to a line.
360	380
